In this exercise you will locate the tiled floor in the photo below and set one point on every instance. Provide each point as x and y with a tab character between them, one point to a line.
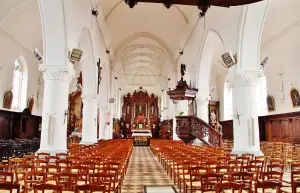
144	170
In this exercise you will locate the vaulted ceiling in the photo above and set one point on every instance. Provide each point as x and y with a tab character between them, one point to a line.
144	38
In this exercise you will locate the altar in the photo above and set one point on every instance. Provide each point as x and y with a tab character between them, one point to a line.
140	115
141	137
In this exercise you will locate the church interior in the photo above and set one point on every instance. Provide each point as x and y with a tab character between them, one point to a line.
149	96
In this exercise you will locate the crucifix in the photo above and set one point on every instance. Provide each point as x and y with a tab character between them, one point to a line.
237	116
65	114
99	75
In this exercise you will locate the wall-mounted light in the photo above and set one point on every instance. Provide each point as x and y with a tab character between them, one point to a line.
111	100
95	12
181	52
107	51
75	56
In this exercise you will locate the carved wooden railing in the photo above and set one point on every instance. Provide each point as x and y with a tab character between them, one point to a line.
189	128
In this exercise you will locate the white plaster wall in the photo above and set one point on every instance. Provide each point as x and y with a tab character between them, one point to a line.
283	54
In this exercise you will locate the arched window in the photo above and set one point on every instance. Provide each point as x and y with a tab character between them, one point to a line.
228	111
19	84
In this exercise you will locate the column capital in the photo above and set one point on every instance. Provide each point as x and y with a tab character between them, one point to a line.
246	78
89	98
57	72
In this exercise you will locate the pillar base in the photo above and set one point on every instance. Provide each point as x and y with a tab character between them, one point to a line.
88	143
198	142
52	152
255	152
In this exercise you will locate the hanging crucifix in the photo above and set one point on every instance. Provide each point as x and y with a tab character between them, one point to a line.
237	117
99	75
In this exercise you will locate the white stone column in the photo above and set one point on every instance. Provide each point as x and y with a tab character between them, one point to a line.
202	108
55	107
102	112
245	113
89	120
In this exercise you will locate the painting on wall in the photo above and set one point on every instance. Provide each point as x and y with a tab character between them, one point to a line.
140	109
295	97
7	99
271	103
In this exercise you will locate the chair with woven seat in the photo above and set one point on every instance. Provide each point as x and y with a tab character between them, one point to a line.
267	187
228	187
6	186
244	178
209	182
194	182
90	188
272	176
44	187
67	181
6	176
32	178
295	177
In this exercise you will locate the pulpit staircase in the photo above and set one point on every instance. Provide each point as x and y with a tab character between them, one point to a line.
188	128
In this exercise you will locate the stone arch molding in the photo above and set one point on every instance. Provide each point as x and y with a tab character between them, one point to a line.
250	32
89	69
205	60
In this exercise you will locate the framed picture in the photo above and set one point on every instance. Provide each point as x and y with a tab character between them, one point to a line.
270	103
295	97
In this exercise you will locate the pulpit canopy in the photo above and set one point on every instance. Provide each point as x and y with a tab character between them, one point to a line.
182	90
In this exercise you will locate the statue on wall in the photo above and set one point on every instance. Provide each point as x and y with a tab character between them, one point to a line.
152	108
128	109
7	99
271	103
99	74
30	103
213	117
182	69
295	97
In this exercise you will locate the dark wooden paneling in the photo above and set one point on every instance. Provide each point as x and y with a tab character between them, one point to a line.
227	129
18	125
277	128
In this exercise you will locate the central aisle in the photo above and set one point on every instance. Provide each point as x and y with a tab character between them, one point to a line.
144	170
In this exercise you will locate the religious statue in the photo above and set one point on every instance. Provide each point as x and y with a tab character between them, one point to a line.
152	108
128	109
213	117
30	103
182	69
7	99
295	97
271	103
99	74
